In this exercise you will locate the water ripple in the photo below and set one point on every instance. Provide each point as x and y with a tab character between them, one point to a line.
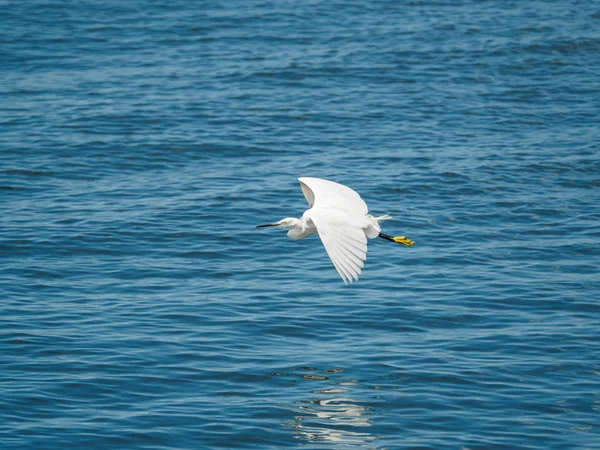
143	143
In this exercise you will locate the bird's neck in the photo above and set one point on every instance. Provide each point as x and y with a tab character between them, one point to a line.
299	230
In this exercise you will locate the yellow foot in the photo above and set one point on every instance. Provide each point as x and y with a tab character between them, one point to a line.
403	240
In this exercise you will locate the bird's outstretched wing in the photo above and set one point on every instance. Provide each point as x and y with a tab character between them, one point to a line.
324	193
344	239
339	214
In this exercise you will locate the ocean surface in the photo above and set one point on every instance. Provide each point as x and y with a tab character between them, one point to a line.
141	143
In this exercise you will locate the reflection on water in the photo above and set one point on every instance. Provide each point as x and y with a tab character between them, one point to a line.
330	414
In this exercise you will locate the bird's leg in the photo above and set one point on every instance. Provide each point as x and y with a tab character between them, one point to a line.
398	239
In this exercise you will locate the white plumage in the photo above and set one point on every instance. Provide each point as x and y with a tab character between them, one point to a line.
341	218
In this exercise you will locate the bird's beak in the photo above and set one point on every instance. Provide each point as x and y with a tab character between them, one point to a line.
268	225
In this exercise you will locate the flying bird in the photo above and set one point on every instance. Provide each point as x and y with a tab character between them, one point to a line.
341	218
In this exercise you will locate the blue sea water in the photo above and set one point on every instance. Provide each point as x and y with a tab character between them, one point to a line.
141	143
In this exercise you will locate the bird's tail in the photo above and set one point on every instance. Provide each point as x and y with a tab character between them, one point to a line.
371	225
384	217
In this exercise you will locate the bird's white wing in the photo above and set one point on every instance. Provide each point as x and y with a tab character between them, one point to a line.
308	193
343	238
324	193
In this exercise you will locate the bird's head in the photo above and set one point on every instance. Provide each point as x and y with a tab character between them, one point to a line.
288	222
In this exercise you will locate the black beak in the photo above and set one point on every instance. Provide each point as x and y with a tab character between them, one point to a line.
268	225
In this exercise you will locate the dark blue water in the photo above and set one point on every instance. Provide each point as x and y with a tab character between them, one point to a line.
141	143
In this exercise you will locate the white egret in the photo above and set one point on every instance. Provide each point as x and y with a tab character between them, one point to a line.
341	218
